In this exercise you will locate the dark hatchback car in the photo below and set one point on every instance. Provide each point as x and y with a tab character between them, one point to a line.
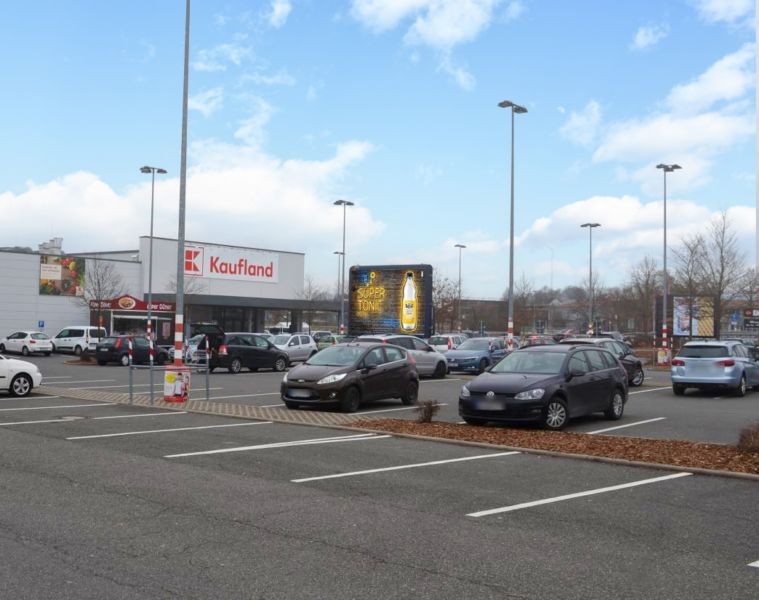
632	364
115	348
348	374
547	384
236	351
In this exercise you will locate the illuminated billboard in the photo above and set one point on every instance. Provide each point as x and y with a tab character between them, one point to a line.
693	317
61	275
390	299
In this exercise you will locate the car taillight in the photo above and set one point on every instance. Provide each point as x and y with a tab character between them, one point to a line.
411	360
223	350
117	345
32	341
726	363
676	362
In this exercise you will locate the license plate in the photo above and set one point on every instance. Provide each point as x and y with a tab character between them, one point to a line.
490	405
453	363
297	393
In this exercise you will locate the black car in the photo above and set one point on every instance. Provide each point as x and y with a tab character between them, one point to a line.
115	348
348	374
548	384
235	351
632	364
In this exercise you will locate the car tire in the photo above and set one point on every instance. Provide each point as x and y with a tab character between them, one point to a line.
21	385
292	405
440	370
474	421
638	377
77	350
411	395
280	364
123	360
25	351
235	366
678	389
740	391
555	414
102	363
616	406
351	400
482	366
47	353
160	360
2	348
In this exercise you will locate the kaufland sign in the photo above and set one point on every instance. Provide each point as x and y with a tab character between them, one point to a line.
221	262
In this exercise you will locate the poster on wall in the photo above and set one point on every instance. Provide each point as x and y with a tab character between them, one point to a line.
390	299
693	317
61	275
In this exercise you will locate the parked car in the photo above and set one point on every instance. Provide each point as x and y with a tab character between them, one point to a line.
719	364
115	348
347	375
535	339
318	335
446	341
236	351
191	354
632	364
476	354
326	341
27	342
429	362
547	384
297	346
19	377
78	338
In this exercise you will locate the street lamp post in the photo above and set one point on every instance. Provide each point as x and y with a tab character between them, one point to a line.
590	227
344	204
666	169
515	108
458	311
339	271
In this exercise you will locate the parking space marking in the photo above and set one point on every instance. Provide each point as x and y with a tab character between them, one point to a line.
647	391
613	488
58	377
328	440
624	426
12	398
162	414
85	381
63	406
401	467
440	380
149	431
371	412
61	420
246	396
754	564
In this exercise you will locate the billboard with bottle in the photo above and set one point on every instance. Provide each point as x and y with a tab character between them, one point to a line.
390	299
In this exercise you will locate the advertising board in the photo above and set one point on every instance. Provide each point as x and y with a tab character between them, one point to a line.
225	262
390	299
693	317
61	275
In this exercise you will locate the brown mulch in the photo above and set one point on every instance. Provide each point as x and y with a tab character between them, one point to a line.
670	452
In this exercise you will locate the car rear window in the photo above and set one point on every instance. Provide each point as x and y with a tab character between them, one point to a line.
703	352
109	341
439	341
40	336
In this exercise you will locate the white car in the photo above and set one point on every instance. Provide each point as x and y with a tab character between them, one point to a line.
18	376
446	341
27	342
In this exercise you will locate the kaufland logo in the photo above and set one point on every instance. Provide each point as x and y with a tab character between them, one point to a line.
240	267
193	260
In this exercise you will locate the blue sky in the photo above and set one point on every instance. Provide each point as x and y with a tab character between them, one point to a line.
391	104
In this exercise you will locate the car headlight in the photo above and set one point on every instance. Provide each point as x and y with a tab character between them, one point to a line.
284	379
465	392
535	394
332	378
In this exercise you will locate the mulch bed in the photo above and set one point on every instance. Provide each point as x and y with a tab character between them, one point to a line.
671	452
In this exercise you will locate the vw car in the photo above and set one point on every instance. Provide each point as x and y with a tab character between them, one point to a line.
27	342
476	354
347	375
710	365
238	351
19	377
446	341
548	385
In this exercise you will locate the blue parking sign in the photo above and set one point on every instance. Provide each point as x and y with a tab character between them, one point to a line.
41	324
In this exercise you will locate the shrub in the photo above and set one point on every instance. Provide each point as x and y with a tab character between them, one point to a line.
748	441
425	410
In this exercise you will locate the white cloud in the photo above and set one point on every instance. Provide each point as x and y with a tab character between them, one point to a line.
311	93
514	10
207	102
648	36
282	77
582	127
251	129
463	78
218	57
280	10
727	11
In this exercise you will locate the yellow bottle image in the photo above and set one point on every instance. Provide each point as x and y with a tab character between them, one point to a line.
408	306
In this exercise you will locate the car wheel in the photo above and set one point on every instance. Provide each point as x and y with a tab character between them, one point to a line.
351	400
638	377
616	406
555	415
123	360
25	351
740	391
312	353
280	364
440	370
474	421
47	353
21	385
78	350
161	359
678	389
2	348
211	369
412	393
482	366
235	366
292	405
102	363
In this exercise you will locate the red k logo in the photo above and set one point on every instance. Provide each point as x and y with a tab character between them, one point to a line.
193	260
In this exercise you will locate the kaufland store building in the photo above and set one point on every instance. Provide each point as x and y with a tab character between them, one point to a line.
240	288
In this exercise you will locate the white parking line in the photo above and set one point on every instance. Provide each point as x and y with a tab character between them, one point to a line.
244	395
440	380
371	412
328	440
162	414
63	406
61	420
647	391
624	426
754	564
83	381
57	376
494	511
148	431
12	398
401	467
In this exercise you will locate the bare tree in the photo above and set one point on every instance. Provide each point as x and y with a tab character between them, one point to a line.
191	285
102	283
524	301
312	294
749	286
445	303
690	260
645	284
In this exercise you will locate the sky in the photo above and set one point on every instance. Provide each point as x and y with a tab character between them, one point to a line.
393	105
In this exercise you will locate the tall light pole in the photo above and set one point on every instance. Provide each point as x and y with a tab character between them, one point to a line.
339	270
515	108
590	227
344	204
665	169
458	316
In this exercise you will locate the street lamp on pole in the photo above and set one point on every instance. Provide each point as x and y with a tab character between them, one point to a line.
515	108
344	204
458	311
339	270
665	169
590	227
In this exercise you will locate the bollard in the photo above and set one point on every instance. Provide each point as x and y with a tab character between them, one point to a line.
208	371
131	387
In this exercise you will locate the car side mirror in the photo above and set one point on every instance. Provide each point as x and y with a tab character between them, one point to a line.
292	343
572	373
366	368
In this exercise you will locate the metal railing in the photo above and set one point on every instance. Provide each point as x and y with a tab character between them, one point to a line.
199	367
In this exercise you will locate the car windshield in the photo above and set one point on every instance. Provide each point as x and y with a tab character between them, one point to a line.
475	344
280	340
544	363
703	352
336	356
40	336
438	340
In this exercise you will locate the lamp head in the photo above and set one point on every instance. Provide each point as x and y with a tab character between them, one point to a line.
668	168
146	170
514	107
459	246
343	202
591	225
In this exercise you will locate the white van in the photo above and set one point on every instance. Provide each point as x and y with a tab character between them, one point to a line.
78	338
